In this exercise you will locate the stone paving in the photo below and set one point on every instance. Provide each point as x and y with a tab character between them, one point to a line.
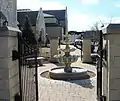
77	90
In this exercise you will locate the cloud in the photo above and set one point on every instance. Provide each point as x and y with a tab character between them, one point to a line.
115	20
117	4
80	21
89	2
109	20
36	4
76	20
27	4
83	21
52	5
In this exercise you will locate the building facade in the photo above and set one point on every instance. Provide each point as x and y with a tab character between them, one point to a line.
55	21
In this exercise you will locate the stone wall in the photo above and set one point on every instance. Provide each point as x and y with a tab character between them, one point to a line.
9	71
111	73
9	8
13	68
114	71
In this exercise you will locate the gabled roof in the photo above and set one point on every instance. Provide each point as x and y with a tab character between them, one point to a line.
59	14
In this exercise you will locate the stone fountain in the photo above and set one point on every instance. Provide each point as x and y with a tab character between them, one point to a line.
67	72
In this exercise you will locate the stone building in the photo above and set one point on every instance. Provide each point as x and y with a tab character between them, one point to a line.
55	21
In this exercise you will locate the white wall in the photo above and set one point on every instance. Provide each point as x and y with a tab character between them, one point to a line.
54	32
51	20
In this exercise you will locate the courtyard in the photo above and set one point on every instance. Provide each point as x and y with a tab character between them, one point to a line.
52	50
77	90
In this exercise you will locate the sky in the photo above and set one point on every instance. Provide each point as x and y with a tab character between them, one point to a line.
82	14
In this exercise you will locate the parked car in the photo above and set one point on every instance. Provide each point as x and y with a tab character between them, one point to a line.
78	42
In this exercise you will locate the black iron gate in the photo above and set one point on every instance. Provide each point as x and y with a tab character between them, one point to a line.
27	70
99	69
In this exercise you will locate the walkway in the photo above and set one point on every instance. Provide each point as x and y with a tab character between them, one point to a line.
79	90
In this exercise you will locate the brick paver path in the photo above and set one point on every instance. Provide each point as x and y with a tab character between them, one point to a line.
79	90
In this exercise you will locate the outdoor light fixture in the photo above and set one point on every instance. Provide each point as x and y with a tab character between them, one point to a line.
15	55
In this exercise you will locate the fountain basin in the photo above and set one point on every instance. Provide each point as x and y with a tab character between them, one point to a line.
77	74
67	59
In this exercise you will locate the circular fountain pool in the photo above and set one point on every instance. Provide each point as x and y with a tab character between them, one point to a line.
76	74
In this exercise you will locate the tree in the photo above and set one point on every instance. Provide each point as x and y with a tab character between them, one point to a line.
95	32
95	27
27	32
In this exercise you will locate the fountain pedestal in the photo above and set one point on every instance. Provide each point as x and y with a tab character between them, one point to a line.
67	68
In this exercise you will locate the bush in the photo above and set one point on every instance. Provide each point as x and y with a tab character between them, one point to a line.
27	32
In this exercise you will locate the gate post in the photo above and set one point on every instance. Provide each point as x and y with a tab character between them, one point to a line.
86	48
86	51
53	49
111	71
9	71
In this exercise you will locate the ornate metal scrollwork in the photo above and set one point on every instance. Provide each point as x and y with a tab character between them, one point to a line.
3	20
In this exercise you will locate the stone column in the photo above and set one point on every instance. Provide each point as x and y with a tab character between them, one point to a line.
87	51
9	71
9	9
111	72
53	48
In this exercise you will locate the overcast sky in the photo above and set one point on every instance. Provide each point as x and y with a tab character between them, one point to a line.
82	14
